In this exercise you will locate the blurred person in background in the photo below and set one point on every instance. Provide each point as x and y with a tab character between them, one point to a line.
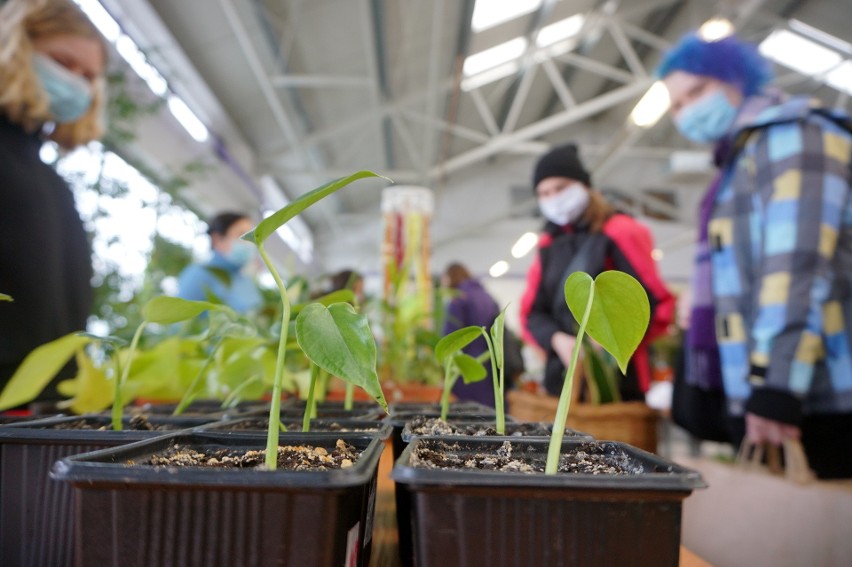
52	62
470	305
774	264
222	276
585	233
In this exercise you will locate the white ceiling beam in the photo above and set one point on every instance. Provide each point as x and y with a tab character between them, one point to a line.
520	99
283	121
408	142
371	58
318	81
484	112
596	67
562	91
581	111
625	48
430	143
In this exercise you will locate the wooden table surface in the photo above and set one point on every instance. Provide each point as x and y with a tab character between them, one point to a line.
384	552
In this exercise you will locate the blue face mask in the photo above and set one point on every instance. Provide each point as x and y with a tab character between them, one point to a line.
69	94
241	252
708	119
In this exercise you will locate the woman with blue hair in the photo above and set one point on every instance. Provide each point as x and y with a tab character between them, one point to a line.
773	279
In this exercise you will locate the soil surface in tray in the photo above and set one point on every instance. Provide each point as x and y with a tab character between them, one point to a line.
261	424
437	426
135	423
290	457
588	458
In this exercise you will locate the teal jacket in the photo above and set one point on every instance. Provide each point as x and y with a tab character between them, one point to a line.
223	279
781	252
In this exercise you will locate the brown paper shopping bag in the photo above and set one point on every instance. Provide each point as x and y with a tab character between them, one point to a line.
752	517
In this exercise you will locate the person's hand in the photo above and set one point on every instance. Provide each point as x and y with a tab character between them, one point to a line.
563	345
763	430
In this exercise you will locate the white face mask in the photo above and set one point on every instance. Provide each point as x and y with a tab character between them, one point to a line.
566	206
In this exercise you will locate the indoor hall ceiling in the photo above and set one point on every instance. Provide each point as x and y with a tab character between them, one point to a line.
308	90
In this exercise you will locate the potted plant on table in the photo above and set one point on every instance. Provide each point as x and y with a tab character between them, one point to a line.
572	503
268	515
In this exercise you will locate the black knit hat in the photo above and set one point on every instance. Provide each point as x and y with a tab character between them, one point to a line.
561	161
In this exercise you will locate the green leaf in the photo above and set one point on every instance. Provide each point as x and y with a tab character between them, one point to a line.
339	296
620	311
470	368
5	297
167	310
275	221
455	341
339	341
39	368
497	337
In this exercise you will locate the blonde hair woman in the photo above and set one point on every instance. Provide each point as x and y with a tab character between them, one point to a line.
52	63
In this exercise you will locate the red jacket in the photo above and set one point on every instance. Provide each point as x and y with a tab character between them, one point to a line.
623	244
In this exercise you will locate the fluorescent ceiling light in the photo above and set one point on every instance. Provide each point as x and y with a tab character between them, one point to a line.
651	107
560	31
494	56
139	63
525	243
716	29
799	53
187	118
489	13
101	19
841	77
499	268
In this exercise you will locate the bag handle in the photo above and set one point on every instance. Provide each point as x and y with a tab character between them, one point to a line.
795	466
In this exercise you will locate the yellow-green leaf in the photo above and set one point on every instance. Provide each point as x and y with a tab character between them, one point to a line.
471	369
39	368
166	310
455	341
92	391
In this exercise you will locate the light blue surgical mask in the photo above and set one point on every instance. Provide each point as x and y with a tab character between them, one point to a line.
241	252
69	94
708	119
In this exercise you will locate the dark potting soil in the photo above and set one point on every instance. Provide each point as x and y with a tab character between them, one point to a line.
588	458
261	424
290	457
135	423
436	426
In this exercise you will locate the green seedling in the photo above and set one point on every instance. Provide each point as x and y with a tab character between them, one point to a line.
455	363
613	309
5	297
258	237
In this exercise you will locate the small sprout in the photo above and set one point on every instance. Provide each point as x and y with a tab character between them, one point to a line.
614	310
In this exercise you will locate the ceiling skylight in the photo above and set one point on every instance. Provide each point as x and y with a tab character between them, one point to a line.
494	56
799	53
841	77
489	13
559	31
524	244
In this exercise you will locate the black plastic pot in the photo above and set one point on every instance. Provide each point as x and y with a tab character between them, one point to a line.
36	513
470	518
468	411
430	407
148	516
514	430
326	427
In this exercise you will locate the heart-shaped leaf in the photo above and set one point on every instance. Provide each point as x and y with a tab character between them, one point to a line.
338	296
39	368
455	341
339	341
619	313
276	220
166	310
471	369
